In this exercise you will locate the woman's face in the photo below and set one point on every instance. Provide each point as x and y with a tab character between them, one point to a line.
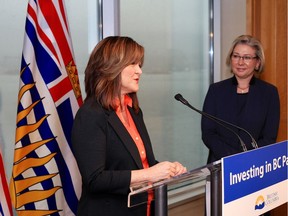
130	78
244	61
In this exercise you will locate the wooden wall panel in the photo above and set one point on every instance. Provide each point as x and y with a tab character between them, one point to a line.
267	20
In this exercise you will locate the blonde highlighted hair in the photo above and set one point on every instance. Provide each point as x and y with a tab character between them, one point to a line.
253	43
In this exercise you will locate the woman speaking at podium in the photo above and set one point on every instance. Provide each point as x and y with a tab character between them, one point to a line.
243	100
109	138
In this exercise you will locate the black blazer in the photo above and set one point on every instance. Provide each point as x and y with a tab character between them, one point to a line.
106	154
258	113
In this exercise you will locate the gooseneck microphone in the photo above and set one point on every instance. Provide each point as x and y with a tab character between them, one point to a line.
221	122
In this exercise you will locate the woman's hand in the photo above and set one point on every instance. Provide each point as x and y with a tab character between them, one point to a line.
160	171
180	169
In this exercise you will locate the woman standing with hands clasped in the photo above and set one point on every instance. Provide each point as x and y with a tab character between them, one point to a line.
243	100
109	138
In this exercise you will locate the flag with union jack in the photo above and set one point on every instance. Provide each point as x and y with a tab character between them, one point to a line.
5	200
45	177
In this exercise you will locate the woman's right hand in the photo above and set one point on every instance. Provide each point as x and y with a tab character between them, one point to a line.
160	171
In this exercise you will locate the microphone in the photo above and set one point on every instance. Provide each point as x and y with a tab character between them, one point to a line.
221	122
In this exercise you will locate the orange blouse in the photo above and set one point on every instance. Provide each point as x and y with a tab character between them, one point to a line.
131	128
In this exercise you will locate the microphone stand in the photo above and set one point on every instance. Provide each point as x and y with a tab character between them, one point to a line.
220	122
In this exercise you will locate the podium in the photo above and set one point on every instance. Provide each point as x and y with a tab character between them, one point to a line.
209	174
248	183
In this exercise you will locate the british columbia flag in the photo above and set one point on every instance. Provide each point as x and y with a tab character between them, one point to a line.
45	177
5	200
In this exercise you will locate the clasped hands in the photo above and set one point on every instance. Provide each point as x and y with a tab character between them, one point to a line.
166	170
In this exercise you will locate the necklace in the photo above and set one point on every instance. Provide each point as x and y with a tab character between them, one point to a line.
243	90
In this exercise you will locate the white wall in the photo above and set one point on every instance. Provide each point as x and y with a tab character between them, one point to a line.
233	24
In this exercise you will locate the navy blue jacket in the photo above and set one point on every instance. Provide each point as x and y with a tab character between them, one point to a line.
257	111
106	154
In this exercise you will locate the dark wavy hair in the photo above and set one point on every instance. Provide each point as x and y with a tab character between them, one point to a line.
103	72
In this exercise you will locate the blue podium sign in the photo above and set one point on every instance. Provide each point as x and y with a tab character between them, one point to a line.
255	181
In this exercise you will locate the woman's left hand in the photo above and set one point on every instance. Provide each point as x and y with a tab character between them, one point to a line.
180	169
